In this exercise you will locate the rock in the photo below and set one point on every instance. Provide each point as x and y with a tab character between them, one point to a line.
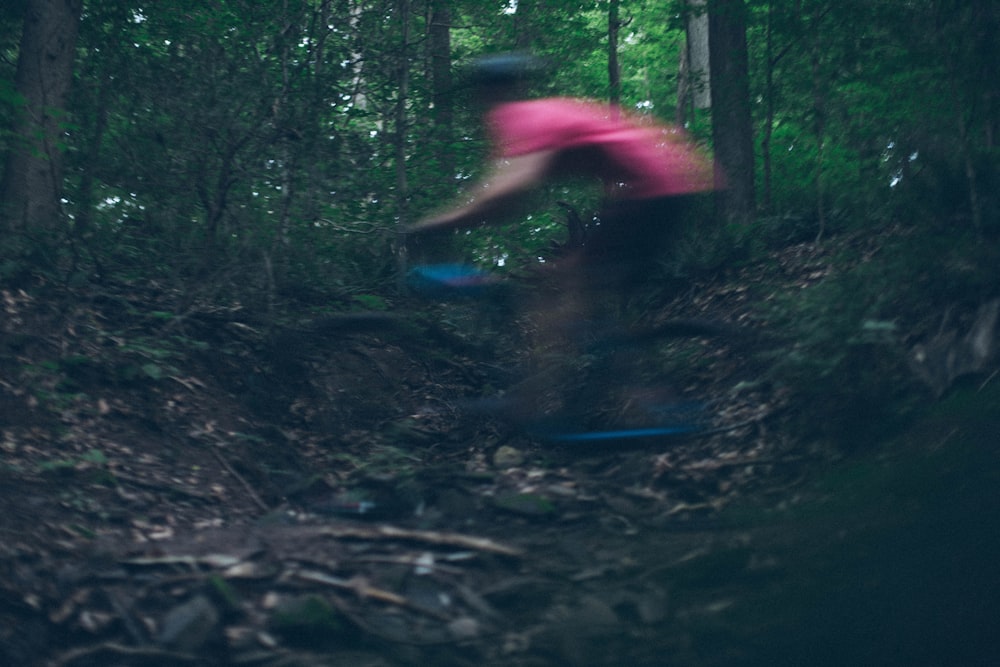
508	457
464	628
189	626
950	355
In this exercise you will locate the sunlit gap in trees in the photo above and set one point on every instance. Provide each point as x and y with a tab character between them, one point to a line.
897	174
510	7
120	205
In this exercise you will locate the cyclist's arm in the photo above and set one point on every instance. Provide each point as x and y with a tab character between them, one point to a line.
497	196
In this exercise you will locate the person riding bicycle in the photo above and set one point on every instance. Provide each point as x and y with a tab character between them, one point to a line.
649	174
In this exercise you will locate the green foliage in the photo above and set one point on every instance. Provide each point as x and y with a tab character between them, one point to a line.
309	620
235	127
850	357
846	363
370	301
796	169
94	457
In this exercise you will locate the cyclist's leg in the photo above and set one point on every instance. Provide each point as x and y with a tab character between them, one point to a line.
579	299
621	259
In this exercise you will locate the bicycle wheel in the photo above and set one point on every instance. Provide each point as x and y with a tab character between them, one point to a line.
625	384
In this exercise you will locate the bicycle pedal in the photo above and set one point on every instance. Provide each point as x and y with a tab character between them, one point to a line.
451	281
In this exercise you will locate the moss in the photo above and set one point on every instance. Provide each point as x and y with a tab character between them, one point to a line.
308	620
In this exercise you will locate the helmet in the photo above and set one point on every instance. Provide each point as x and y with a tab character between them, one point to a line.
505	69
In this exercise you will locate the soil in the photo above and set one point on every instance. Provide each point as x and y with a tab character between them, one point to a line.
185	485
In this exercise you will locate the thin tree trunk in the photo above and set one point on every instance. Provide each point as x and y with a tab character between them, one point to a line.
819	128
524	29
683	84
282	114
314	131
614	73
85	206
441	82
769	101
400	123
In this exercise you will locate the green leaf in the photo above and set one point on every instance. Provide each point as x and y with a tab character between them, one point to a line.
56	465
95	456
878	325
371	301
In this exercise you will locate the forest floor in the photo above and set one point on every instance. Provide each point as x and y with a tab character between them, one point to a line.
179	490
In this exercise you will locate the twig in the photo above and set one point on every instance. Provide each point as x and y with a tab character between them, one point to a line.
126	616
408	560
363	590
158	486
246	486
375	631
137	653
430	537
719	464
988	380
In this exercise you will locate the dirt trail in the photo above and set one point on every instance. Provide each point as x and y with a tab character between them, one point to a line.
179	491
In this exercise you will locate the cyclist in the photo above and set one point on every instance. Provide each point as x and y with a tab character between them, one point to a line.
649	174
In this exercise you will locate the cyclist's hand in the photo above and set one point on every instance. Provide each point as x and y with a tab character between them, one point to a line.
425	227
422	234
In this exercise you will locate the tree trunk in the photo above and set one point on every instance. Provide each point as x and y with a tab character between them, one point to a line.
32	181
85	203
442	95
399	140
400	116
819	128
282	112
315	137
524	27
614	73
698	61
732	130
683	85
765	144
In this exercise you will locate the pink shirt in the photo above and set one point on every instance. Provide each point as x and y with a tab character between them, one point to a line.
633	161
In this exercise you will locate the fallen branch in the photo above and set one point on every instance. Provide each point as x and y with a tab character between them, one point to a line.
363	590
159	485
144	654
239	478
430	537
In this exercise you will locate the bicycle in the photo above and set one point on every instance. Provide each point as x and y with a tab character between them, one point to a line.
616	400
619	389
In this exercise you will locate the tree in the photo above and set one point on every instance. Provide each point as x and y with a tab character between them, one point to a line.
614	70
33	171
442	92
694	66
732	131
